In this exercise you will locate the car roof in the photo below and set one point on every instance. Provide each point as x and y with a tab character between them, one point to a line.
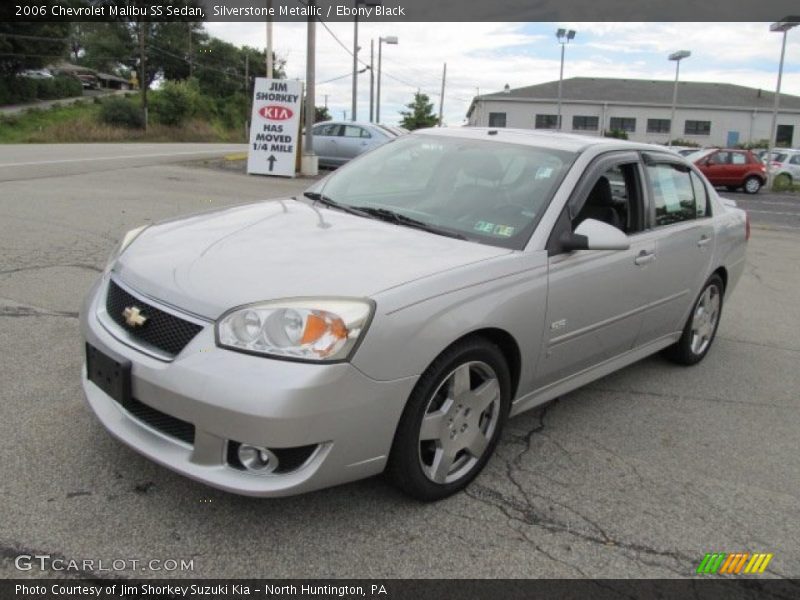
557	140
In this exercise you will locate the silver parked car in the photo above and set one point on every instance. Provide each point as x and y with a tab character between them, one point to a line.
784	165
336	142
393	317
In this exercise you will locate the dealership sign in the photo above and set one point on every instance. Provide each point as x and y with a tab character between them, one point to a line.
274	127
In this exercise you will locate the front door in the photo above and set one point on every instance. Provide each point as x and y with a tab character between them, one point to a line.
596	298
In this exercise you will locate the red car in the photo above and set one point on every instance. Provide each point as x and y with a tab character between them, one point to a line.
732	168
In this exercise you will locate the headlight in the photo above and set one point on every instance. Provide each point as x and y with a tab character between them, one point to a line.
126	241
313	330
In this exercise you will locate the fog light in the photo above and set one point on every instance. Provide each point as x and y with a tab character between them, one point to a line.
257	458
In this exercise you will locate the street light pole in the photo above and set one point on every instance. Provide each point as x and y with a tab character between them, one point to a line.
782	26
389	39
268	51
372	81
677	57
564	37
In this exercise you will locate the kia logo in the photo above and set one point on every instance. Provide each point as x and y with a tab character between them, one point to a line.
275	113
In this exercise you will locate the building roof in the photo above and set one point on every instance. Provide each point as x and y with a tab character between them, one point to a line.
645	91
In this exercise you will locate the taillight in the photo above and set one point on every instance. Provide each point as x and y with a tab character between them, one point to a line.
746	226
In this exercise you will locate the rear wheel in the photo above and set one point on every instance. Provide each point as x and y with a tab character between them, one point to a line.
752	185
783	181
452	421
701	327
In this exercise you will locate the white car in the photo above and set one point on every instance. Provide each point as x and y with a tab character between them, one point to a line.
784	166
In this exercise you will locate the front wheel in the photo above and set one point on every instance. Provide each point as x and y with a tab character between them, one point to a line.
752	185
452	421
701	327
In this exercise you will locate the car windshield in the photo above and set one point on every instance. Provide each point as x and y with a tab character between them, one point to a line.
485	191
778	157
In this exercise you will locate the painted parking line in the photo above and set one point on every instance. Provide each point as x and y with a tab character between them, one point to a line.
774	212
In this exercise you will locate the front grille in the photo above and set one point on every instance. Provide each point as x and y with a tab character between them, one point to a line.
161	329
166	424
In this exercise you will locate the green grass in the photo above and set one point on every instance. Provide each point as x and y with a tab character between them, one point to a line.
32	123
79	123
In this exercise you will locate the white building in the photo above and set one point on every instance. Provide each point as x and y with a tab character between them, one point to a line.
708	114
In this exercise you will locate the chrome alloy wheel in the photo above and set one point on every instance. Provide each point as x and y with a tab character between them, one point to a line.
704	321
460	420
752	185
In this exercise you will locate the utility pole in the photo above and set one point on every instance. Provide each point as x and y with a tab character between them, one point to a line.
268	51
143	72
354	106
326	100
191	55
246	73
372	81
309	164
441	98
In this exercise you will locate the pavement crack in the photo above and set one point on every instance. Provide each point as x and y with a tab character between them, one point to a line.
30	311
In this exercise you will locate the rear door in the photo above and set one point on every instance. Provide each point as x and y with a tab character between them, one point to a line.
679	219
595	299
740	166
354	140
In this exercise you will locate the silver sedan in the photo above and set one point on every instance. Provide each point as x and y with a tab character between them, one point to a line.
337	142
394	316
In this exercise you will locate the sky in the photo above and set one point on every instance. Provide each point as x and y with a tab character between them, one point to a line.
484	57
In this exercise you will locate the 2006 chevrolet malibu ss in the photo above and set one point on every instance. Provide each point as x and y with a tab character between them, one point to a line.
395	315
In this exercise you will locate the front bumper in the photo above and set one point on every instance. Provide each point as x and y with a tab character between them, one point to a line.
229	396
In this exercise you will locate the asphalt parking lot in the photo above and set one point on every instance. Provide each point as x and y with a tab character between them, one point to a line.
637	475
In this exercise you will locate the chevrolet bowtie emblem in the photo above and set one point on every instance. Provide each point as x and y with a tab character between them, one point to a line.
133	316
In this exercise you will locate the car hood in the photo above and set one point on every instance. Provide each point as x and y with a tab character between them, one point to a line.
208	263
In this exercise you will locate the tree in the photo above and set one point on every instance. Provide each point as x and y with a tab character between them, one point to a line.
27	45
420	113
321	114
109	47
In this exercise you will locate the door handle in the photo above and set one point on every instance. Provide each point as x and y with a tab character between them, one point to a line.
644	257
703	241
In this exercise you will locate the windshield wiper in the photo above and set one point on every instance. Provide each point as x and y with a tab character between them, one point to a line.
400	219
331	203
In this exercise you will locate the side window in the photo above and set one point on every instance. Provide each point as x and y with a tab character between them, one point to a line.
365	134
673	194
737	158
700	196
795	159
720	158
325	129
353	131
614	199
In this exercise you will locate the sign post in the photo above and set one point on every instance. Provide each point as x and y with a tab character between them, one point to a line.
274	127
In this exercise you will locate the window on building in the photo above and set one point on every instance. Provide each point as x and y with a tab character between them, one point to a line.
627	124
658	125
497	119
580	123
697	128
678	197
546	121
784	135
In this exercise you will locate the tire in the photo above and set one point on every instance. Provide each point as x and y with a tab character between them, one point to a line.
784	181
752	184
700	330
461	428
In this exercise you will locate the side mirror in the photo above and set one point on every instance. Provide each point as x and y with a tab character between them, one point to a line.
595	235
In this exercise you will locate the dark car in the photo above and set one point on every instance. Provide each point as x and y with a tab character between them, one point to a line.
731	168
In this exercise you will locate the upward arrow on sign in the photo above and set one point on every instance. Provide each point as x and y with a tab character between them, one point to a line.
271	160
